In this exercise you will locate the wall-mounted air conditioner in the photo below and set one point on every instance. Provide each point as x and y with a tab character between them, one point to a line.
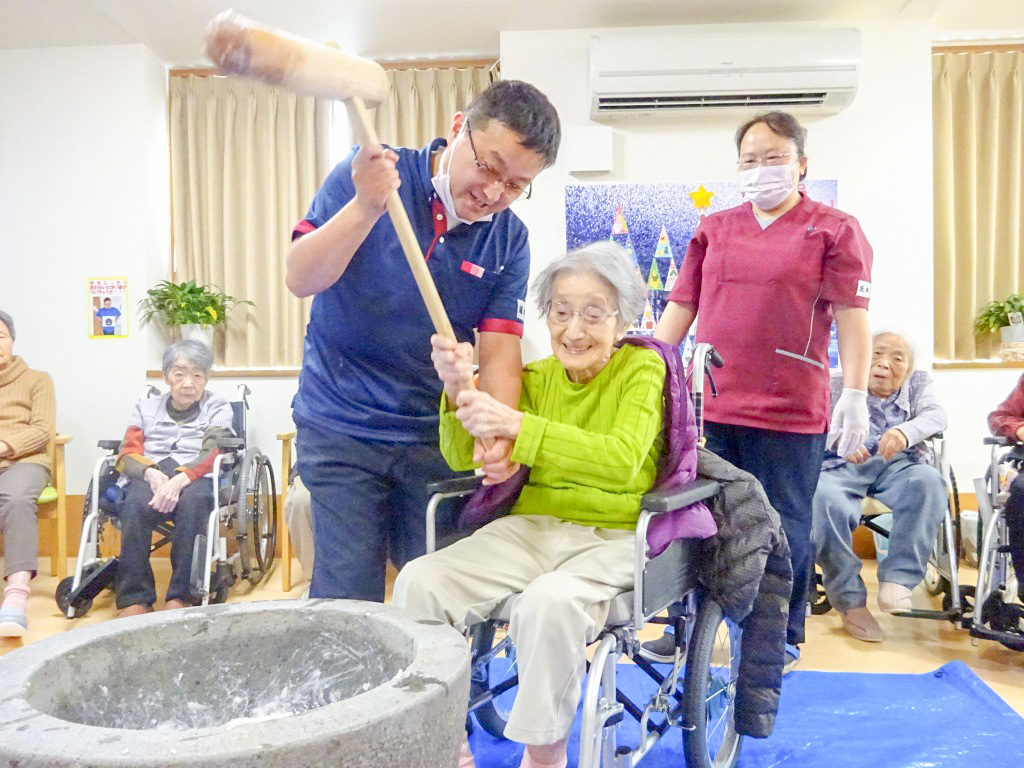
652	70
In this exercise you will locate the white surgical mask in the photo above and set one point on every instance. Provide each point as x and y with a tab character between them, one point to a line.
766	186
442	182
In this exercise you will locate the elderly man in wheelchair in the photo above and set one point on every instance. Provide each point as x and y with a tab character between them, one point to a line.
893	467
589	428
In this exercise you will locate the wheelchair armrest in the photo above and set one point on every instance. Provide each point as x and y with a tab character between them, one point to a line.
677	498
232	444
108	445
455	484
995	440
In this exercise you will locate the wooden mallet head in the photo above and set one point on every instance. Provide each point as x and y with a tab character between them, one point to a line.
240	46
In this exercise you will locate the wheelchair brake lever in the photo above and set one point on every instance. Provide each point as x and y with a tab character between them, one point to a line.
711	382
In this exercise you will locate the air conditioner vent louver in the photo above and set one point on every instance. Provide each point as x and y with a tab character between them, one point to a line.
691	101
806	68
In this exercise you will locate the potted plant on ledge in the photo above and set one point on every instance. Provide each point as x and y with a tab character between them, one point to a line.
1006	316
196	309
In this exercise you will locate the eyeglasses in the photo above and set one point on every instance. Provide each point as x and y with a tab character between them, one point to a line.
562	314
745	164
492	176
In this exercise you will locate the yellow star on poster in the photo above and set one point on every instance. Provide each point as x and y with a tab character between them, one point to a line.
701	197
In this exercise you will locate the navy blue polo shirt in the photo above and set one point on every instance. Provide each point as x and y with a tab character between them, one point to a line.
366	369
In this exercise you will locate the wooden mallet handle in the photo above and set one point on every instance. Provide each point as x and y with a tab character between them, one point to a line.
242	47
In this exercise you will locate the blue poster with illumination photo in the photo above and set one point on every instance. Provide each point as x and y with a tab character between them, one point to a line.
654	223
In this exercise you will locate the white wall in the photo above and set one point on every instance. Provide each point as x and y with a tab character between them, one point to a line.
879	149
83	193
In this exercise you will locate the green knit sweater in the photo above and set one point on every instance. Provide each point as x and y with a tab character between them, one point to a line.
592	448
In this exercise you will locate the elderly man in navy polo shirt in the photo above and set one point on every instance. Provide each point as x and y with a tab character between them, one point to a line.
891	466
368	399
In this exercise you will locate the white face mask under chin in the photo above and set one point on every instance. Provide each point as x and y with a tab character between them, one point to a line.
767	186
442	182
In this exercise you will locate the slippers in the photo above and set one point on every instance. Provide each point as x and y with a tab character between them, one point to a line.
13	624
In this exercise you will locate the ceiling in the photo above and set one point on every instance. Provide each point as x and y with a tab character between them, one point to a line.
423	29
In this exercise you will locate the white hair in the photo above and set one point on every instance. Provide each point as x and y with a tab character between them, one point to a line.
609	262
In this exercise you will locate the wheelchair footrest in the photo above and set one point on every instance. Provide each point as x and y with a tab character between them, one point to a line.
950	615
94	581
197	579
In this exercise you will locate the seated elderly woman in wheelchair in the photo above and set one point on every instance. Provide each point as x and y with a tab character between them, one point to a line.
589	428
892	467
1007	421
27	415
168	453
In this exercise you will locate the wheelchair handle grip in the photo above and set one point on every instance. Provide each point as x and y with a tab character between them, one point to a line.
108	445
995	440
715	358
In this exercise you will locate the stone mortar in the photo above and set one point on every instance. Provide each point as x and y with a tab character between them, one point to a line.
297	683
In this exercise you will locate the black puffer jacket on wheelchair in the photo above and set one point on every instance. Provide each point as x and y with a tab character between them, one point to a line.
747	570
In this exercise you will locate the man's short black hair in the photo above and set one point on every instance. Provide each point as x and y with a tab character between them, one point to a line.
525	110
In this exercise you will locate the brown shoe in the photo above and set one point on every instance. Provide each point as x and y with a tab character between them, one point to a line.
859	623
135	610
173	605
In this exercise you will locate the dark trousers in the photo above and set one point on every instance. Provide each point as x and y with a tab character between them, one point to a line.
1013	512
787	464
368	502
134	582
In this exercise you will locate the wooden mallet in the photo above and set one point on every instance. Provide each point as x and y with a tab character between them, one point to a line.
242	47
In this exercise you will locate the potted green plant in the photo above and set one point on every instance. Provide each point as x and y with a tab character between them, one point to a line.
195	309
1006	316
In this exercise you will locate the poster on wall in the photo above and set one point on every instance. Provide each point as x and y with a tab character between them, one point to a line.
108	307
654	223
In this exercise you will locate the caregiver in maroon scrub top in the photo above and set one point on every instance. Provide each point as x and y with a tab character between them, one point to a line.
767	278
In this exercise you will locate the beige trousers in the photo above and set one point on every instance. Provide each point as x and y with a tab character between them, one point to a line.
566	575
298	517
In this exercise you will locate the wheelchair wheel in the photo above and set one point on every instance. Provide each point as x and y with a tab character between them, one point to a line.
709	691
63	597
1007	619
63	593
492	670
257	517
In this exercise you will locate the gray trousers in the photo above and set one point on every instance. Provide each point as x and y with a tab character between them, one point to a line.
20	485
917	496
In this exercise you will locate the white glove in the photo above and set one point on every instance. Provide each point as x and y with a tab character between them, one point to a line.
849	422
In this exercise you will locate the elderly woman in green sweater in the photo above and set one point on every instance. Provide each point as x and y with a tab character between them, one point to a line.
589	427
27	415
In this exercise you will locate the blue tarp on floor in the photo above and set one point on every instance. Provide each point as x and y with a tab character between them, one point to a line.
947	718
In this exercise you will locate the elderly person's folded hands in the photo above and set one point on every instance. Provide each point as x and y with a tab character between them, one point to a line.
165	491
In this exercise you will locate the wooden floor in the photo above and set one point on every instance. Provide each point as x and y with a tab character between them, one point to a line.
912	645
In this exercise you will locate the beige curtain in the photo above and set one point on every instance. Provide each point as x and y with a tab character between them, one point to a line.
978	114
246	160
421	102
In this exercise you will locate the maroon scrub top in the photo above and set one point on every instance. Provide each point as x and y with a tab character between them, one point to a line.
764	298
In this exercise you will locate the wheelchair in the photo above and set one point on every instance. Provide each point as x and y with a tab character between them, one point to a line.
997	615
244	505
696	693
941	575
